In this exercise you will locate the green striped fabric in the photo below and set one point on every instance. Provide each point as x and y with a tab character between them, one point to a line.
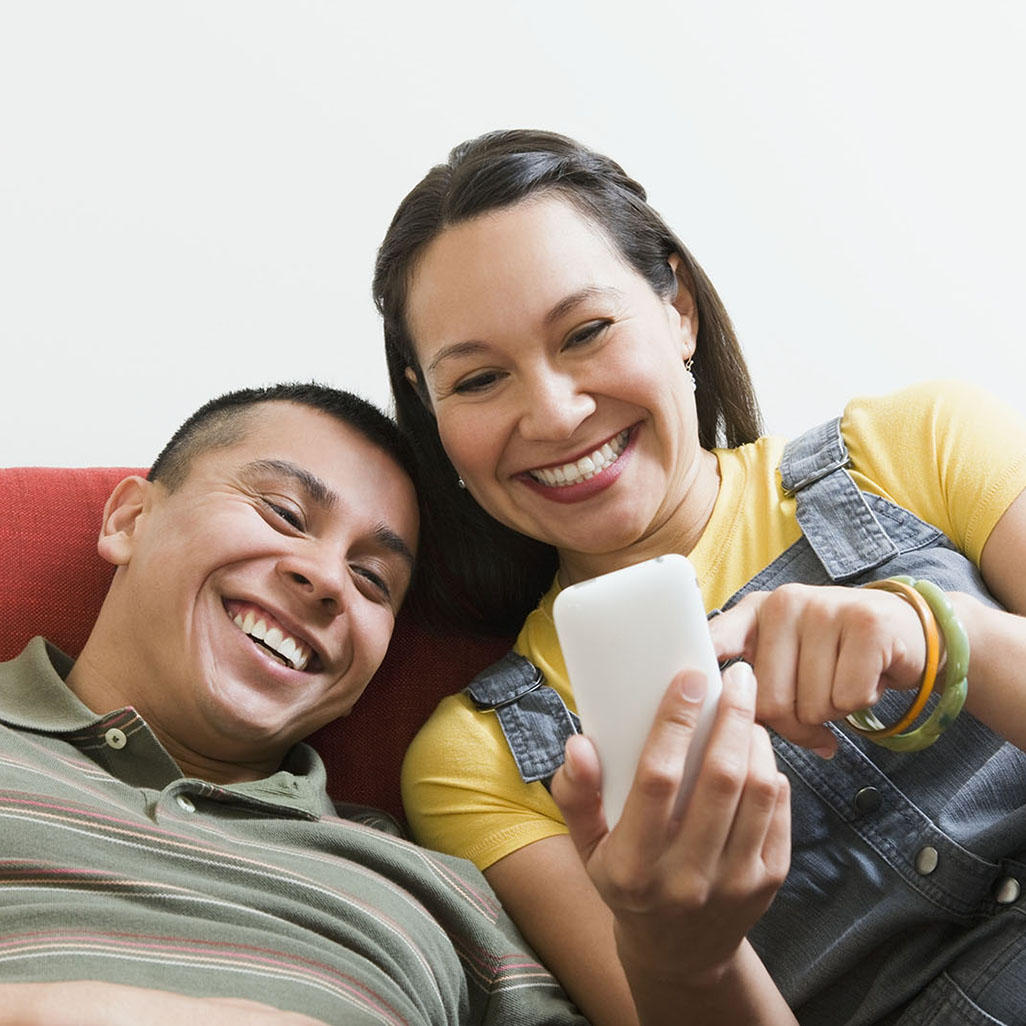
114	867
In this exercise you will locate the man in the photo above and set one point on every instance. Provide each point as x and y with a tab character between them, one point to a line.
169	849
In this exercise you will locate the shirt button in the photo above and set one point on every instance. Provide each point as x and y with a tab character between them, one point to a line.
867	800
115	738
926	860
185	803
1008	891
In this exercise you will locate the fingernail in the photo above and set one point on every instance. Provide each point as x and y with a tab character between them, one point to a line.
824	751
569	760
693	686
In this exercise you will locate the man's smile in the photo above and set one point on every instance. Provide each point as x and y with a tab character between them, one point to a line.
266	631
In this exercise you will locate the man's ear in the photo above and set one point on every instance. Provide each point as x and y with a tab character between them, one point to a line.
129	500
684	303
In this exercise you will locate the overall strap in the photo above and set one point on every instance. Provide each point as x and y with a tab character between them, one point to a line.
833	514
534	719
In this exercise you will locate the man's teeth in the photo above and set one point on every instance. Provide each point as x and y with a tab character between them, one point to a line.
292	650
584	468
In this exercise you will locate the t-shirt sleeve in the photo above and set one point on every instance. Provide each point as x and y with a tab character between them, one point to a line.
950	452
462	792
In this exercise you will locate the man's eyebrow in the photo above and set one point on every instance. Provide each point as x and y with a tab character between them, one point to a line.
324	496
314	487
385	536
561	309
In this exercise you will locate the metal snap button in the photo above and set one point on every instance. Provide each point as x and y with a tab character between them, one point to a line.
867	799
926	860
115	738
1008	891
185	803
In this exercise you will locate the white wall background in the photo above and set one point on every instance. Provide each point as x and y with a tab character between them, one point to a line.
191	193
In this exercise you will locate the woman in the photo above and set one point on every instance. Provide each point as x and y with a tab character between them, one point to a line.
567	373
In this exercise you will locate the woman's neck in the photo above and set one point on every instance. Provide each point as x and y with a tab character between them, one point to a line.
679	531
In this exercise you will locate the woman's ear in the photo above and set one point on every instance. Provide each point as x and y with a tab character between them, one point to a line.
684	305
127	503
420	388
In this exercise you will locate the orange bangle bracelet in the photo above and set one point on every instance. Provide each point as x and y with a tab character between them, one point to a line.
929	678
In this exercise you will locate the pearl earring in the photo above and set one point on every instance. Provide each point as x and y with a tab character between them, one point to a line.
461	483
687	370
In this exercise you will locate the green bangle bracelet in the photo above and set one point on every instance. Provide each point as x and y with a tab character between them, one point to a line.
953	689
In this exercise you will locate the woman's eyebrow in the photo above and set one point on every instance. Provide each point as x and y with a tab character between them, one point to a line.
575	299
456	349
566	305
315	489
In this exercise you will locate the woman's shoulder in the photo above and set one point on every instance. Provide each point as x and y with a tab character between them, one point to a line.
461	790
947	450
926	408
455	723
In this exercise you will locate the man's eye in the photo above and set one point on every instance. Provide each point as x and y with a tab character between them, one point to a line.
375	581
586	334
290	516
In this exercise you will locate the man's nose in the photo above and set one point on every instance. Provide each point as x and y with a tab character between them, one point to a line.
319	577
554	405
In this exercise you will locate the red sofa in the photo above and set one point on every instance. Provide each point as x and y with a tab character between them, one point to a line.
53	582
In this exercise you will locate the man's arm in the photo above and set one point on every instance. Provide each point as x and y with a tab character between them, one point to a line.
91	1003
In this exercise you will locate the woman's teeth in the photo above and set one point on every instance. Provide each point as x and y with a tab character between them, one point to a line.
292	651
584	468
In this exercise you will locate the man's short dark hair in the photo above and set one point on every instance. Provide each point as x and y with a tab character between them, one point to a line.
222	422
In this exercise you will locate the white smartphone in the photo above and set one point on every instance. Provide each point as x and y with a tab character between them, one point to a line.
625	636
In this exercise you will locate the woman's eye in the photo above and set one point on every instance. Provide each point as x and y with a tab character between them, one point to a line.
290	516
586	334
476	383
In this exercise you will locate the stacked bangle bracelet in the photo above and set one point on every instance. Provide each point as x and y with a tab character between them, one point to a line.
934	610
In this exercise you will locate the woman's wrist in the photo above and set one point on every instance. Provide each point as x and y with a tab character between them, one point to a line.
738	989
655	966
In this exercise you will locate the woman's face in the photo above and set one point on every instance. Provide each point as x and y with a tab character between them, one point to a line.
557	376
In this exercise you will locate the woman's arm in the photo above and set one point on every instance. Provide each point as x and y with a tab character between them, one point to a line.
820	653
682	890
546	890
997	640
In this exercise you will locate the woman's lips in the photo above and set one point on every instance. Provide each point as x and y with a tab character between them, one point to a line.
580	479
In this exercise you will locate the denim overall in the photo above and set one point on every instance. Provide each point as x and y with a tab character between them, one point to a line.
905	903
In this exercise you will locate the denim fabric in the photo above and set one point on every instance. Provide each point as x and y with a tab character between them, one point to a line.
534	719
906	899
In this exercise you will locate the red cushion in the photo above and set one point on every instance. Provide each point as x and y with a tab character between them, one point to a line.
53	582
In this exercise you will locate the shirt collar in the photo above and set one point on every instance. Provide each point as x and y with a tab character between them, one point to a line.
35	697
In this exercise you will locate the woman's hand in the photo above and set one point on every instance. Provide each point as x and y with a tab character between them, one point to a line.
820	653
685	889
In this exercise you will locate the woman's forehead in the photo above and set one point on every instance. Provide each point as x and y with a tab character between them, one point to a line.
517	261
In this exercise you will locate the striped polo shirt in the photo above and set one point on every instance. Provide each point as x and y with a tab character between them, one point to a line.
115	867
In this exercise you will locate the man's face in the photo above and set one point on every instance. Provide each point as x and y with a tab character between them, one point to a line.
258	598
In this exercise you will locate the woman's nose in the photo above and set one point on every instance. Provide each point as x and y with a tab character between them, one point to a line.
553	407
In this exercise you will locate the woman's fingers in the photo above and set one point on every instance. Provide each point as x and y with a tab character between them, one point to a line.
751	840
576	790
710	813
651	805
820	653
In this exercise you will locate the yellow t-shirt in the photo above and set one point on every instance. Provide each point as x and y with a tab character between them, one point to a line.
950	454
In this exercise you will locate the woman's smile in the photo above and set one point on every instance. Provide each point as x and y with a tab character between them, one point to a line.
580	479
